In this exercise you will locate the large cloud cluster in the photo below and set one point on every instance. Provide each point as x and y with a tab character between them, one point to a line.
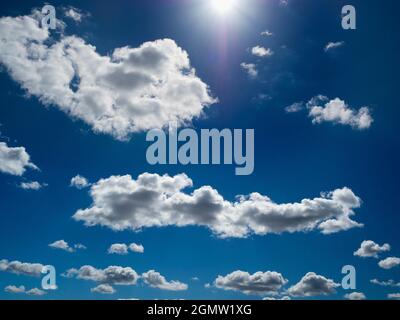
131	90
152	200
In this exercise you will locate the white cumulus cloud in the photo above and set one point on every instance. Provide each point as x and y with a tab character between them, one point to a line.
338	112
33	185
355	296
261	52
103	289
138	248
14	289
112	275
118	248
79	182
250	69
313	284
156	280
369	248
63	245
259	283
22	268
131	90
389	263
152	200
14	161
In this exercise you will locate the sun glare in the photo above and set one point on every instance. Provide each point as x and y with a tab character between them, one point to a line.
223	6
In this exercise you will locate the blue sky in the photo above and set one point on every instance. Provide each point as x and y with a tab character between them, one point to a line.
295	159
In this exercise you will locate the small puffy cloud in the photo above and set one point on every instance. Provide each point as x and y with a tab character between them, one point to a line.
250	69
338	112
75	14
33	185
127	91
138	248
295	107
369	248
394	296
79	182
152	200
267	33
21	289
80	246
14	161
122	248
333	45
21	268
118	248
35	292
156	280
312	285
261	52
14	289
103	289
388	283
63	245
112	275
284	3
259	283
389	263
261	98
355	296
274	298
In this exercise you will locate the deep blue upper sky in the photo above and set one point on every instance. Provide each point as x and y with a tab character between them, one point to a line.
294	159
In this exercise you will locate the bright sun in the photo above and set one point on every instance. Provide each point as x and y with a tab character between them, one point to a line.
223	6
